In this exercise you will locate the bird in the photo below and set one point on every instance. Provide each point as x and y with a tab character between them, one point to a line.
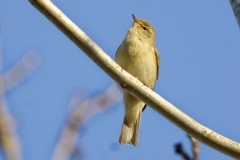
138	56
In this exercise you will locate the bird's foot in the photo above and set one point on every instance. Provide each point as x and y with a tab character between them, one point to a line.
123	85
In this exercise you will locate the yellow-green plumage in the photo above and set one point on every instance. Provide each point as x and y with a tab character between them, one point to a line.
137	55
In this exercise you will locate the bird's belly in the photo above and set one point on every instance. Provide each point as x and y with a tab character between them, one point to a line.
144	70
141	64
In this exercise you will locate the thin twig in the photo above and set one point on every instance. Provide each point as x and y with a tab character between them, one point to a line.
179	150
134	86
20	71
195	148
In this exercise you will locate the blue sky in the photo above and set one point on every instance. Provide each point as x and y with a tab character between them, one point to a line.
198	43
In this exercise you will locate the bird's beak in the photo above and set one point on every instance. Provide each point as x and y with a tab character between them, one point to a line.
134	18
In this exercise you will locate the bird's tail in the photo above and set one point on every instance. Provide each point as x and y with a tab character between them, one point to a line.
129	133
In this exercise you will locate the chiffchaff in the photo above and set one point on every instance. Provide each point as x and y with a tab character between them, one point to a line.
137	55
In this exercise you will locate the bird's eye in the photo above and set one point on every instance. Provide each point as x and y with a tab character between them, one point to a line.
144	28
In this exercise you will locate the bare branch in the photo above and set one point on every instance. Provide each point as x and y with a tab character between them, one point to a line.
195	148
80	113
179	150
236	9
68	139
103	101
135	87
18	72
8	137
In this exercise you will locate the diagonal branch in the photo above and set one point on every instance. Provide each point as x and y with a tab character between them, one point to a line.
8	138
81	112
135	87
20	71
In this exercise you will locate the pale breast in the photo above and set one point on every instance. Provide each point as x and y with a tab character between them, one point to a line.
139	59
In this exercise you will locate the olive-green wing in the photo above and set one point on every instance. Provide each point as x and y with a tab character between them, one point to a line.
117	52
158	64
157	60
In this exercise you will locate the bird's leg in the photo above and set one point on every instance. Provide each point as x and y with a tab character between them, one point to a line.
145	104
